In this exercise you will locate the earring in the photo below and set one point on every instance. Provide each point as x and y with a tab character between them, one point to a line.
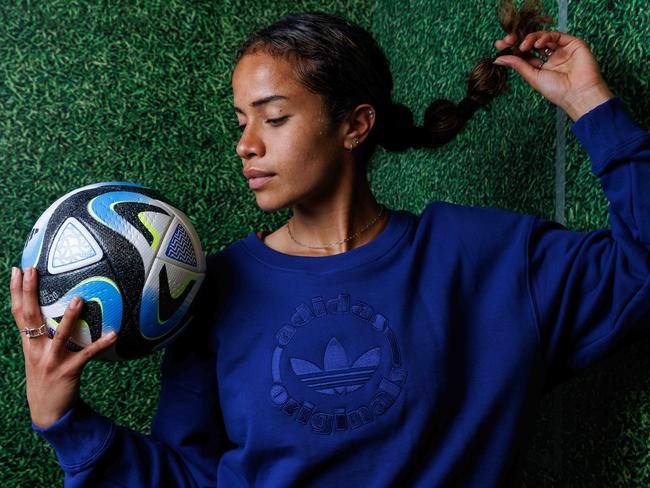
371	113
355	141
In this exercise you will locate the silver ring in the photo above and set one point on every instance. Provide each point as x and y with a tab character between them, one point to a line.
39	331
548	51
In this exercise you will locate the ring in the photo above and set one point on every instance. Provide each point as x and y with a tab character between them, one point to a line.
39	331
548	51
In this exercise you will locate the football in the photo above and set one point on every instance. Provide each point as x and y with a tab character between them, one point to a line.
130	254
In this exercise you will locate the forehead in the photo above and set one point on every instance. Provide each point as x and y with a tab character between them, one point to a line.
259	75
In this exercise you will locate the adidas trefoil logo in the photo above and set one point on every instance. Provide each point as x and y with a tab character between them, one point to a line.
337	376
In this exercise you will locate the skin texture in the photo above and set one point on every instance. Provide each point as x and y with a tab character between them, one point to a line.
315	176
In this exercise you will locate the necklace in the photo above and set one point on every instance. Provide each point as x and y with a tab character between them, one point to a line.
381	210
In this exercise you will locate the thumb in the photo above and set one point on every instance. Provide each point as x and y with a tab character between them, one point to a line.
521	66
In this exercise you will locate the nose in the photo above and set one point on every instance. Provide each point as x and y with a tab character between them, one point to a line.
249	144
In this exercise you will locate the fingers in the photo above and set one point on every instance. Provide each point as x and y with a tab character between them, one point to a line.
526	65
30	309
16	288
539	45
79	359
504	43
76	360
540	39
66	326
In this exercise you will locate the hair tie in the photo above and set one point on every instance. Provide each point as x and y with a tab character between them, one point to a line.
467	107
418	137
505	52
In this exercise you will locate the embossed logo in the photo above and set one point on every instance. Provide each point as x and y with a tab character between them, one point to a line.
336	390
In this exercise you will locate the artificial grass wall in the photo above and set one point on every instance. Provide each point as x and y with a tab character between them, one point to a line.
140	91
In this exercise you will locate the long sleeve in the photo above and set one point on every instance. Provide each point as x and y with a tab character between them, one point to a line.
187	434
589	290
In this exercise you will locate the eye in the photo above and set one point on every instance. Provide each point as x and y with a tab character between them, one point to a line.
278	121
274	122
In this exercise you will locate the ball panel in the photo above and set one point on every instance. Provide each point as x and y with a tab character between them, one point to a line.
181	245
102	297
34	240
33	246
73	248
166	298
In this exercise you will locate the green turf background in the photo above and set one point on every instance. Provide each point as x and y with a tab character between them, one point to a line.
140	91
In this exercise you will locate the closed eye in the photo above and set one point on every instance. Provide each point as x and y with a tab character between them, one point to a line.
273	122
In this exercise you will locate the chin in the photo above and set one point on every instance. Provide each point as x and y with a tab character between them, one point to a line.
269	204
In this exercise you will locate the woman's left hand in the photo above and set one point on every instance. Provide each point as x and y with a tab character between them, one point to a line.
570	78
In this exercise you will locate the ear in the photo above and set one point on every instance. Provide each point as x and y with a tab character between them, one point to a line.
359	123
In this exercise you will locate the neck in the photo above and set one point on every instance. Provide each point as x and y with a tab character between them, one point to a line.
336	216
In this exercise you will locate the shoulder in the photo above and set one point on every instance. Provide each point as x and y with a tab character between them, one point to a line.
481	226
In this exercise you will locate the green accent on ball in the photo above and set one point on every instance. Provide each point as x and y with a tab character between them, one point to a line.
89	207
179	291
175	294
152	229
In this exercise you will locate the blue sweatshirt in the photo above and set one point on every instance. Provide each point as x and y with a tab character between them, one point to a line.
417	359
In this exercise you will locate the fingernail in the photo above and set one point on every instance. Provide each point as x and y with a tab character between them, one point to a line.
111	335
29	273
14	273
76	301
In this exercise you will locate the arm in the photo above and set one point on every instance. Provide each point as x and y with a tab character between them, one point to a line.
590	290
187	434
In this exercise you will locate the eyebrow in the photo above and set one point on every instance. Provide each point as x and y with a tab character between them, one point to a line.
262	101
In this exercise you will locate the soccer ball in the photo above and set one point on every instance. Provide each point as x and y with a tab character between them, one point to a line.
133	257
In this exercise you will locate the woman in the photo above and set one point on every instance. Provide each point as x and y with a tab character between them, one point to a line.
358	345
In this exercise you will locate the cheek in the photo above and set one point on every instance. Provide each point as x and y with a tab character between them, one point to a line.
302	155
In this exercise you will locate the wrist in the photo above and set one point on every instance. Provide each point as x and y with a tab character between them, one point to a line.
586	100
45	421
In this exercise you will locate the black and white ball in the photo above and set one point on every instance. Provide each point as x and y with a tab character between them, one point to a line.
133	257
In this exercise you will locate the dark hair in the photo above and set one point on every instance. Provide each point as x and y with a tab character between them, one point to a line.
341	61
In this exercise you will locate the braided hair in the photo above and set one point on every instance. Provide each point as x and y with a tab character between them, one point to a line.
342	62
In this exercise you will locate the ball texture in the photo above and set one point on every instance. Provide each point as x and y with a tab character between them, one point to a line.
133	257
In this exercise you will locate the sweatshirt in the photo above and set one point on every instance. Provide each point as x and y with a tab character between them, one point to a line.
417	359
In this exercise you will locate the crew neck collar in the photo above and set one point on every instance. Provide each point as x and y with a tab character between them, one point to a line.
398	222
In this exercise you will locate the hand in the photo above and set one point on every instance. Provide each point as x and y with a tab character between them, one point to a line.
52	371
570	78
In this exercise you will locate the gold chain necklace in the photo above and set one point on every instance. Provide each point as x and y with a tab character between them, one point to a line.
381	211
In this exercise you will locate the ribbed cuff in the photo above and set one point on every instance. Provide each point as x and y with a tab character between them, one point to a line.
79	437
605	131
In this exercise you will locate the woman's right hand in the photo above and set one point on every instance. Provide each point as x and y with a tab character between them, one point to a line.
52	371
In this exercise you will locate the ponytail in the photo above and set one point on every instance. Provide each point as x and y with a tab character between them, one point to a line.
443	119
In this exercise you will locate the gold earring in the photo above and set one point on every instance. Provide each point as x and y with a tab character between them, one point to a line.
355	141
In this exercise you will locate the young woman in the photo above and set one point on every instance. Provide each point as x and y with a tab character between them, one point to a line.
359	345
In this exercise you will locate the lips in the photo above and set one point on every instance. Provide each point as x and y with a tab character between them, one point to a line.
256	183
256	173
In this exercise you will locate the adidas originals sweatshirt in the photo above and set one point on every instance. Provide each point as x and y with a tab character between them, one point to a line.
417	359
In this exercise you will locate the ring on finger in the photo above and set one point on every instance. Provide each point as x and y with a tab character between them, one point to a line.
37	332
548	51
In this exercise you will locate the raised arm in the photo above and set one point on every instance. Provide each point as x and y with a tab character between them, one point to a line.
590	289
